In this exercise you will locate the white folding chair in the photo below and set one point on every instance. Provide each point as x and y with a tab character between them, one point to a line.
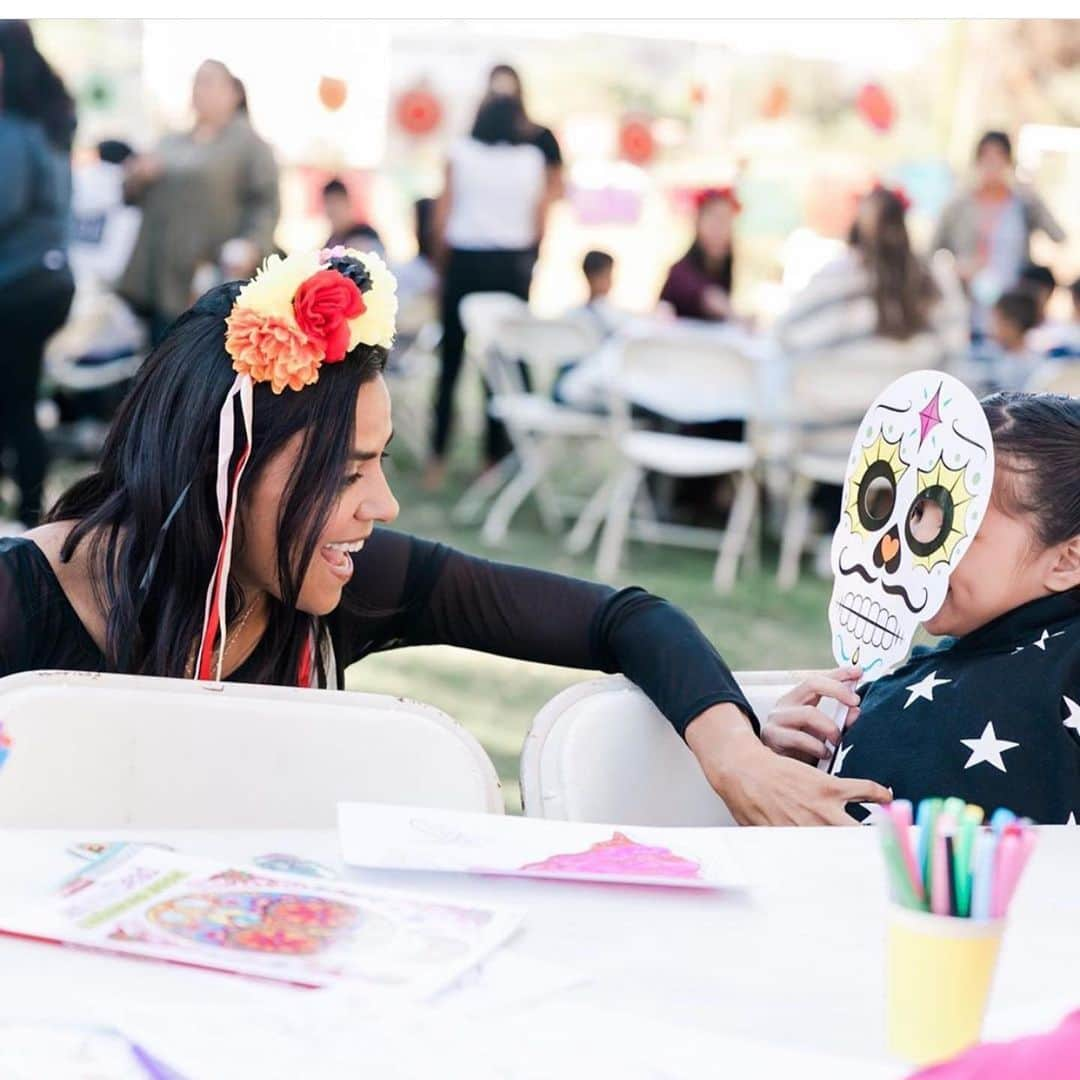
412	370
829	395
676	370
1056	377
540	429
481	314
93	750
601	751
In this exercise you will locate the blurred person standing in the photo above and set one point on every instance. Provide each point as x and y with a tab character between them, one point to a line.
877	288
37	124
210	203
698	286
488	222
988	227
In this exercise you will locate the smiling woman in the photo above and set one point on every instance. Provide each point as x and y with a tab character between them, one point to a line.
235	529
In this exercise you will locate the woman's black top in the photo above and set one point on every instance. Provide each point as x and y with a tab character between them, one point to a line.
993	717
406	591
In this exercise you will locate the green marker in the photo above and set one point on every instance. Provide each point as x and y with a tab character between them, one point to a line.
954	806
929	811
965	842
902	889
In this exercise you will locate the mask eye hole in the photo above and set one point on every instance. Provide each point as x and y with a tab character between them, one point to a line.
877	496
930	520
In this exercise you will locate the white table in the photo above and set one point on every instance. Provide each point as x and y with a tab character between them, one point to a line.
796	960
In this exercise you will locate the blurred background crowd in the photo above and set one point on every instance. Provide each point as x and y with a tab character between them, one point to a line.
795	212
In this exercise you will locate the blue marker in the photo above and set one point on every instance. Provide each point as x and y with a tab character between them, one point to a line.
927	822
982	880
1001	817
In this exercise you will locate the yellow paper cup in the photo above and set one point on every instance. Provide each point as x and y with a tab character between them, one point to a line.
940	971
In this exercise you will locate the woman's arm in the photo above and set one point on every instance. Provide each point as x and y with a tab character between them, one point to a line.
432	595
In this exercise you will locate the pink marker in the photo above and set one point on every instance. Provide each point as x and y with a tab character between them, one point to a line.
1007	867
902	815
1025	846
939	873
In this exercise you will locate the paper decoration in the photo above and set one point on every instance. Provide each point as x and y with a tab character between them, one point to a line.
777	102
333	92
636	142
414	838
876	107
418	112
915	492
142	901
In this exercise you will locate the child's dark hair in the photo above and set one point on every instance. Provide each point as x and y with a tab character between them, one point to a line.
1019	307
1041	277
1036	453
994	138
334	187
596	262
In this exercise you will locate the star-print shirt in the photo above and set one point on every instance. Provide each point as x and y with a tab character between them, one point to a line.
993	717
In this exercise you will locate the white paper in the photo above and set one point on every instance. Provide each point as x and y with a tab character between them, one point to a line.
925	439
387	837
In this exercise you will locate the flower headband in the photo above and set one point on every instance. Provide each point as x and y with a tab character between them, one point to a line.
724	194
897	192
296	314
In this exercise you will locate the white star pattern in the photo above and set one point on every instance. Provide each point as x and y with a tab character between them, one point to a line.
1073	719
1044	638
924	690
838	761
989	748
1072	818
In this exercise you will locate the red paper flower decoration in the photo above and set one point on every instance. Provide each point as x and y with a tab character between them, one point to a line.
875	107
636	142
322	307
418	112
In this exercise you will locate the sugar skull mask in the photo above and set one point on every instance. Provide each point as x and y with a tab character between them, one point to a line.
916	490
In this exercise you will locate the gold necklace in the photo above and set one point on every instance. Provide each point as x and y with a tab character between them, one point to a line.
230	639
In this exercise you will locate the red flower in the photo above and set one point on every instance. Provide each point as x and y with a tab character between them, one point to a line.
322	306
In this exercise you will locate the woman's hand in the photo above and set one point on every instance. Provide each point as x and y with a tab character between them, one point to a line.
762	788
798	728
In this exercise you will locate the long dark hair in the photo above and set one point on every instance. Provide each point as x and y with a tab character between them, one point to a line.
1037	448
720	273
31	88
500	119
165	437
902	288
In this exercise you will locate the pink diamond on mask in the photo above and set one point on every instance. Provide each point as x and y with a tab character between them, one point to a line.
929	416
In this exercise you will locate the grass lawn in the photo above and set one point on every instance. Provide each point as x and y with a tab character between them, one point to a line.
755	627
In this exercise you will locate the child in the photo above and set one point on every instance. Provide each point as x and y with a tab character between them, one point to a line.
345	230
992	713
1041	283
599	270
1010	361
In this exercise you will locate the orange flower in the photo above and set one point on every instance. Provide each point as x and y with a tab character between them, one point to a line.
271	350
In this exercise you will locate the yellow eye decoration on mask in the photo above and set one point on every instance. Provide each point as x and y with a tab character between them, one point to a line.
872	491
937	520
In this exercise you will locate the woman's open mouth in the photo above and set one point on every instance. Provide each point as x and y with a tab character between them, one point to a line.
338	556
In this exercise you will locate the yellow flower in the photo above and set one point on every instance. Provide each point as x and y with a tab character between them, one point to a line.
270	292
376	325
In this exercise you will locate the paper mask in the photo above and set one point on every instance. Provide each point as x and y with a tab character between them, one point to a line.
916	490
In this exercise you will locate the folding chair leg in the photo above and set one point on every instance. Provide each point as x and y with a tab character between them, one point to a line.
613	537
737	532
796	529
589	522
470	507
503	509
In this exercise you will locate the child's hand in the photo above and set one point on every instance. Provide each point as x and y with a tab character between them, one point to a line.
797	728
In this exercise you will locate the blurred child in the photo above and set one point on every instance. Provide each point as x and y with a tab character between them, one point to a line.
345	230
1011	361
1041	283
992	712
1060	340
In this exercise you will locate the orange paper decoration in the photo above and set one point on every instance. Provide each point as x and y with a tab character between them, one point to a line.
333	92
777	102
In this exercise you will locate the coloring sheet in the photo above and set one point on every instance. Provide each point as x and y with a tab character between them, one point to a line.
916	490
413	838
147	902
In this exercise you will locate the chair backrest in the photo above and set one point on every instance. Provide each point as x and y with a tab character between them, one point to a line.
601	751
96	751
543	344
1056	377
676	374
481	314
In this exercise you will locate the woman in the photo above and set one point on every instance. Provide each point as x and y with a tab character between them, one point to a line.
233	531
698	286
209	198
877	289
989	226
37	122
488	220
